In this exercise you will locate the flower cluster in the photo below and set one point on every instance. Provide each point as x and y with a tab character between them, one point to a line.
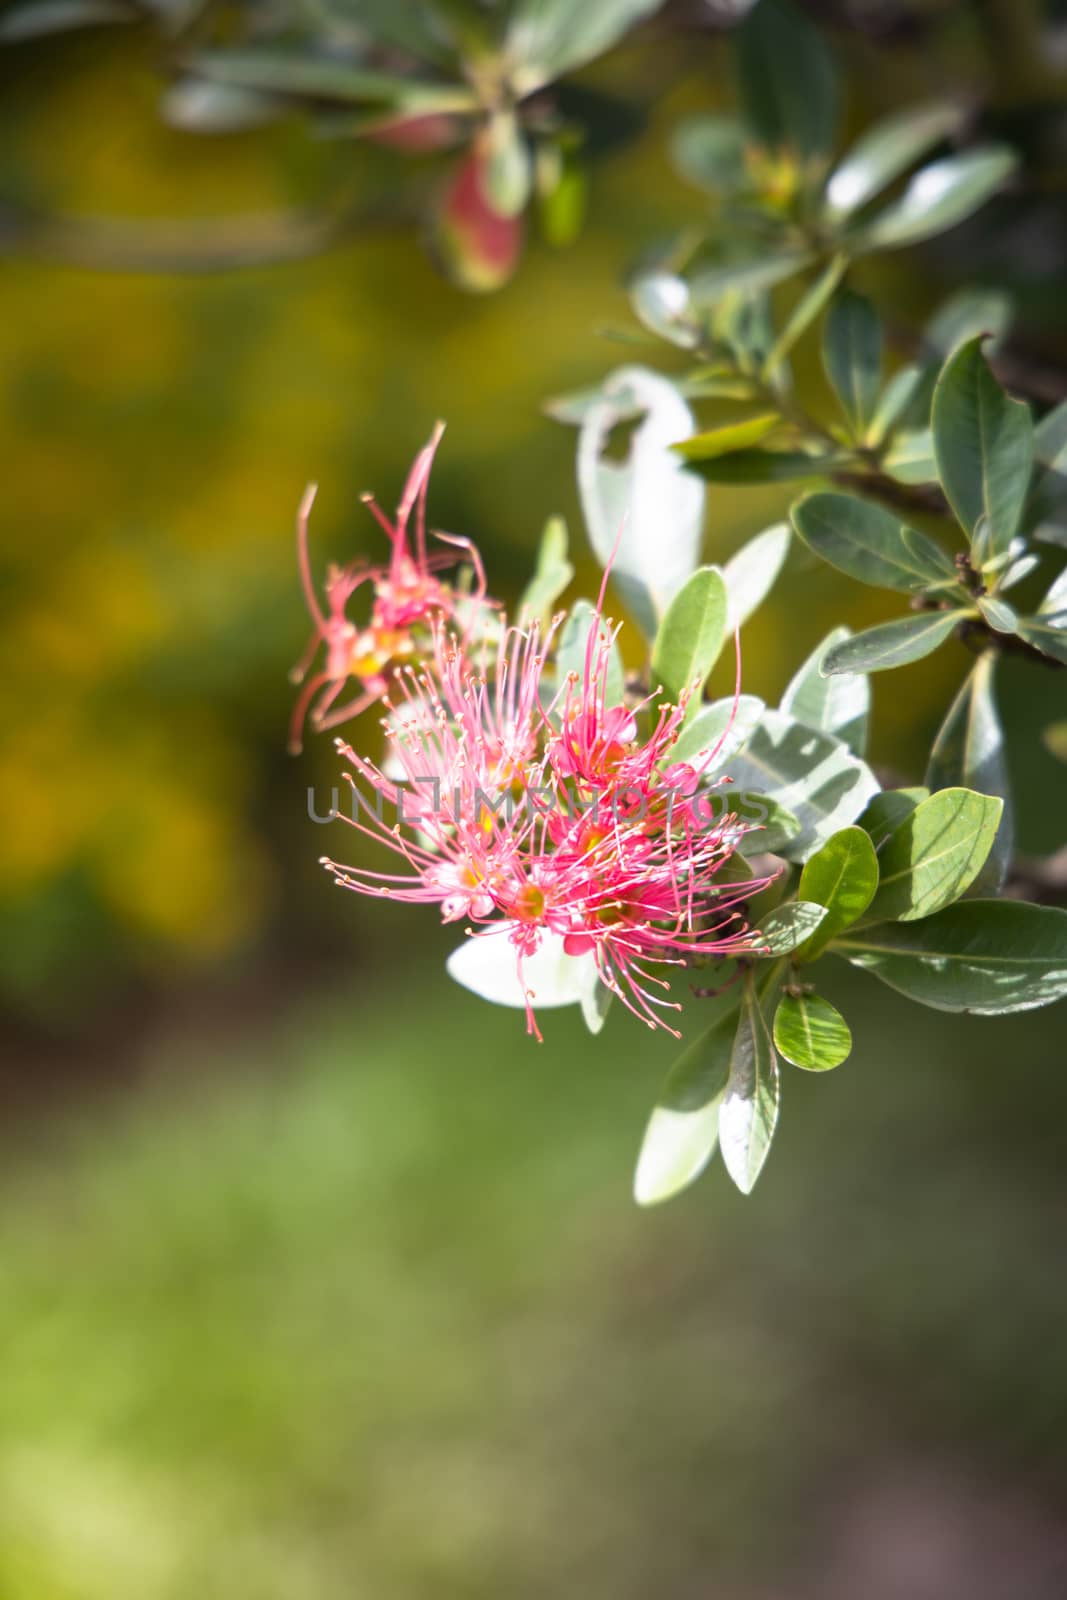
522	800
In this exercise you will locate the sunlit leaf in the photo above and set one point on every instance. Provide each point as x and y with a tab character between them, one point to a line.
982	956
488	966
748	1114
691	634
661	301
789	925
1048	637
729	438
717	732
886	151
811	1033
683	1130
893	644
838	705
750	573
547	38
938	197
934	855
969	751
842	877
571	651
888	809
553	574
983	442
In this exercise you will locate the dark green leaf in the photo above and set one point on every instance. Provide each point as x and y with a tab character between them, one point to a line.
767	466
839	705
748	1115
788	82
969	751
934	855
811	1033
870	543
888	809
691	634
982	956
937	198
983	442
893	644
789	925
772	829
886	151
843	877
852	356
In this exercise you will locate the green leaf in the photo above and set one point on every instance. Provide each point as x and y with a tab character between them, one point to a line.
717	731
772	829
710	153
571	650
562	192
661	301
983	442
748	1114
969	751
967	314
885	152
595	999
839	705
893	644
194	105
811	1033
805	312
1048	637
36	18
843	877
937	198
1046	510
508	170
767	466
547	38
321	77
788	83
683	1130
553	573
725	440
810	774
1054	739
852	356
789	925
487	965
998	614
648	505
870	543
1054	605
934	855
983	956
897	398
910	458
751	572
888	809
747	276
691	634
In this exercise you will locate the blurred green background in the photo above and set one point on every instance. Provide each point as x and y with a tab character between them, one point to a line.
318	1278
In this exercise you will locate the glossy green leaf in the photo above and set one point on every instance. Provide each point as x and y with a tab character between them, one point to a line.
893	644
661	301
811	1033
683	1129
982	956
646	510
983	442
691	634
571	651
710	152
717	732
886	151
552	576
789	925
934	855
547	38
842	877
969	751
839	705
938	197
870	543
1048	637
852	356
788	83
888	809
748	1115
810	774
751	572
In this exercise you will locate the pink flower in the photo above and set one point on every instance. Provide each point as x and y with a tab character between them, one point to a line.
408	600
